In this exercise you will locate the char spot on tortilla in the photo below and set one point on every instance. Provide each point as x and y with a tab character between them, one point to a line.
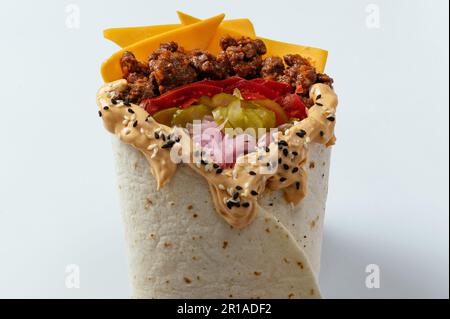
267	230
312	165
290	295
225	244
300	264
190	207
187	280
148	203
257	273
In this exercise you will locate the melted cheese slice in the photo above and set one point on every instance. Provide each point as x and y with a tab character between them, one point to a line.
193	36
234	28
317	57
124	37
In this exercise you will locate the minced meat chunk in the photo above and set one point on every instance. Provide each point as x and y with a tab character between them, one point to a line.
299	73
208	66
272	68
137	74
244	56
130	65
170	66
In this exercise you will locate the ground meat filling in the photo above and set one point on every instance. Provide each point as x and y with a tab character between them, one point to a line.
300	74
244	56
140	82
272	68
208	66
171	66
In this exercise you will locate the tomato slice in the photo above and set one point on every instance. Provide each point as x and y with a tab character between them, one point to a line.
293	106
249	87
181	97
279	87
223	83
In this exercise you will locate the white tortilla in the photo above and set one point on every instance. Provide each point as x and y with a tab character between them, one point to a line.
179	247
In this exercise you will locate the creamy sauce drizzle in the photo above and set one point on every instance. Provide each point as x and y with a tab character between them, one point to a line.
235	190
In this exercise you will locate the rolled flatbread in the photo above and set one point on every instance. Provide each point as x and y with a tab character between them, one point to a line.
179	247
186	241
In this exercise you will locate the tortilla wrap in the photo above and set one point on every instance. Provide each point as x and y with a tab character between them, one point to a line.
179	247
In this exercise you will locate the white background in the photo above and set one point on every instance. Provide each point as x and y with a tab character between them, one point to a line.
388	199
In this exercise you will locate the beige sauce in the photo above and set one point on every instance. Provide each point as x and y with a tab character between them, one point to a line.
235	190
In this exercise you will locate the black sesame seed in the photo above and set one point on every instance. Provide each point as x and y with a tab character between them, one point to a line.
301	133
268	164
203	162
131	111
135	123
178	139
148	117
254	193
295	153
163	137
279	160
319	104
246	205
267	149
157	135
215	166
286	166
318	97
322	133
106	108
295	170
230	205
252	173
297	185
235	195
283	142
169	144
100	113
283	179
219	171
237	205
280	147
114	101
285	152
331	118
239	188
